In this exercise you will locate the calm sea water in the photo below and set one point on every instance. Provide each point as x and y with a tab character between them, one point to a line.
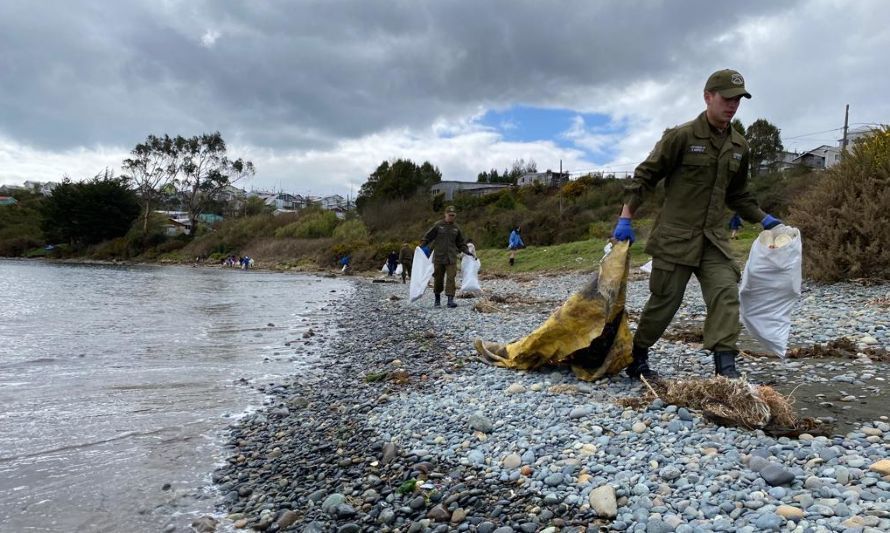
117	381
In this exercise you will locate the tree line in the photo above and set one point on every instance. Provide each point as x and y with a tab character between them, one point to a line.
196	169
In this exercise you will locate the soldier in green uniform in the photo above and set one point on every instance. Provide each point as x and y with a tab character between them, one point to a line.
406	257
445	239
704	163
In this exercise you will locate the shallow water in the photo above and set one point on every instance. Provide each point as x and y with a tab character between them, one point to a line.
117	382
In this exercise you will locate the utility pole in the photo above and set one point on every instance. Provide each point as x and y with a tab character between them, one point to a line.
560	188
844	144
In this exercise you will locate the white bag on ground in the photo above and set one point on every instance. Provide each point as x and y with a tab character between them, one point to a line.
469	273
421	272
399	270
647	268
771	286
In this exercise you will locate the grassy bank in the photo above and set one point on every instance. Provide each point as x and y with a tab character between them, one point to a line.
585	255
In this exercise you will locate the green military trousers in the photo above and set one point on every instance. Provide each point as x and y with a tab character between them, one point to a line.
447	272
719	280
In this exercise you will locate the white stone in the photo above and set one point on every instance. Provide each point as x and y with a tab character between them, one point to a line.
515	388
602	500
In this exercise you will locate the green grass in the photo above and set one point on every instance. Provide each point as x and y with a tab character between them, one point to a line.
579	255
585	255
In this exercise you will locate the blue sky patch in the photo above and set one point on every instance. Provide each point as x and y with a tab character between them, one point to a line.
594	134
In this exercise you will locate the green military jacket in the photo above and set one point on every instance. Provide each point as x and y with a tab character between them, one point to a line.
445	240
705	173
406	255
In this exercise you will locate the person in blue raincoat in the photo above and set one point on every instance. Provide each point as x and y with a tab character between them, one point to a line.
515	243
735	224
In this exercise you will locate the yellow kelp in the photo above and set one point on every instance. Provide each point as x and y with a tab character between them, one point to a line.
589	331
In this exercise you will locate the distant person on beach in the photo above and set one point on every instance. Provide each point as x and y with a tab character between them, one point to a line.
406	257
392	262
704	165
344	263
735	224
445	240
515	243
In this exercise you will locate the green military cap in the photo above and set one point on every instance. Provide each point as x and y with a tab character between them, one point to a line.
451	209
729	83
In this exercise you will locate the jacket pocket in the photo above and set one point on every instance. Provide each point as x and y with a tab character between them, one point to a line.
672	235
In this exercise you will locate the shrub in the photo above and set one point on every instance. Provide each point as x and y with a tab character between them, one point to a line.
17	246
314	224
351	231
844	218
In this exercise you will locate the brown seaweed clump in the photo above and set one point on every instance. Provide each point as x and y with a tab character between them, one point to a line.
730	402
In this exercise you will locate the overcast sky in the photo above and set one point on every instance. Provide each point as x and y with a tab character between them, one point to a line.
318	93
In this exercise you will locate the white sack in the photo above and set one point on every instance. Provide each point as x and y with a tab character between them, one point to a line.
421	272
647	268
469	273
771	286
385	268
399	270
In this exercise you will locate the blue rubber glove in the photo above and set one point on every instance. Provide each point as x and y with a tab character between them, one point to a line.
624	231
770	222
426	250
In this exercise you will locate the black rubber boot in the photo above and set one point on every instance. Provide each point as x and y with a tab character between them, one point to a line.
438	302
640	365
512	260
451	303
724	365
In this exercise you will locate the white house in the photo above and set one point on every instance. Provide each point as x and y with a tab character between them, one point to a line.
855	134
546	179
819	158
449	189
332	202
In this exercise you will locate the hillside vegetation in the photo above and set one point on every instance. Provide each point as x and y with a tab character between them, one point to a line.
842	214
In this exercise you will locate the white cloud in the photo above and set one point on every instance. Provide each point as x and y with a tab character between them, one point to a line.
209	38
21	162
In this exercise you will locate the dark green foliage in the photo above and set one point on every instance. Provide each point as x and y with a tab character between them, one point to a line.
399	180
152	165
519	168
844	218
738	126
203	169
407	487
89	212
765	142
776	191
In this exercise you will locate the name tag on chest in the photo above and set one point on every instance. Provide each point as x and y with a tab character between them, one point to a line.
697	149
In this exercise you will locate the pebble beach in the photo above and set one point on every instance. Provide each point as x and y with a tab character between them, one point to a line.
399	426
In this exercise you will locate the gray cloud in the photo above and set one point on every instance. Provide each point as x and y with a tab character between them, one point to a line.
305	74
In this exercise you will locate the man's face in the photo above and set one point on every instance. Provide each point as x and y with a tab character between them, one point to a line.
449	217
721	110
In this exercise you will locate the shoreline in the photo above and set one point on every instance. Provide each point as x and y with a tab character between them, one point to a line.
401	428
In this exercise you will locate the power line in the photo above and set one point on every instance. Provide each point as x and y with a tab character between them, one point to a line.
814	133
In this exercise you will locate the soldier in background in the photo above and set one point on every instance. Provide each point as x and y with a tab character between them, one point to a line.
704	163
406	257
445	240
